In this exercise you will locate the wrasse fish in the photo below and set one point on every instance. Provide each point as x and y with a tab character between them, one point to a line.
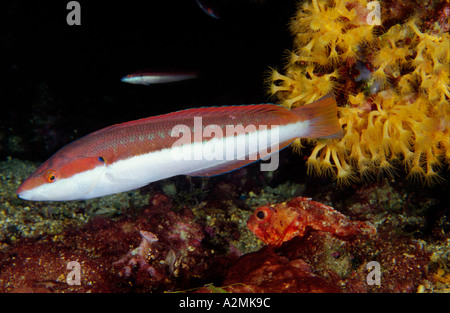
130	155
281	222
150	77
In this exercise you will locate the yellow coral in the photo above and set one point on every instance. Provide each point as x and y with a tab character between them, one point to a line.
400	115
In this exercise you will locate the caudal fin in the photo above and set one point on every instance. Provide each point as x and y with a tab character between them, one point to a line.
322	117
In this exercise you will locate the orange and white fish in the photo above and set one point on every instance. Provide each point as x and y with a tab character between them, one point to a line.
130	155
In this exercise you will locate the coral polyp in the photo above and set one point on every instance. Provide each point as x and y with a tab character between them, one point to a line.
392	85
326	33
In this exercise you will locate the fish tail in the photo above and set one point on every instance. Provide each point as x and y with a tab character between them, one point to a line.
322	118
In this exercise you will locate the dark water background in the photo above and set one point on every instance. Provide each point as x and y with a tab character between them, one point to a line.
61	82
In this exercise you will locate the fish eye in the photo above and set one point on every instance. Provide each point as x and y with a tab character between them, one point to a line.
101	159
262	214
51	176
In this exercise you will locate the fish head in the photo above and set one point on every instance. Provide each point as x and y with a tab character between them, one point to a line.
276	223
261	223
62	177
132	79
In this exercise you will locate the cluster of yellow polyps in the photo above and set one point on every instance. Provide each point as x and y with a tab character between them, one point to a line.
399	113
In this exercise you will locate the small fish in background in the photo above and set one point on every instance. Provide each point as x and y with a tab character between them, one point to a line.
208	8
151	77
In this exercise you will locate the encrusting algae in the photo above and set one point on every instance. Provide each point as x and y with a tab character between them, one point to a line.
391	81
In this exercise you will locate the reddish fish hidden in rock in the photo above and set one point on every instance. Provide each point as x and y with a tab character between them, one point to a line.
277	223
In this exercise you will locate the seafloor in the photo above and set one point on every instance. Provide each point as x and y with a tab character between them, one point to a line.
203	240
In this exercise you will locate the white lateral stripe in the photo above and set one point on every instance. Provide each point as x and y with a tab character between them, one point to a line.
138	171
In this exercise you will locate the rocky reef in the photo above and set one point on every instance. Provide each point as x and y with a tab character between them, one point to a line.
164	239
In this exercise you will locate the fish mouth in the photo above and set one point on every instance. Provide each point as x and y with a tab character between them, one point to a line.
22	193
20	190
29	194
27	191
25	194
33	195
